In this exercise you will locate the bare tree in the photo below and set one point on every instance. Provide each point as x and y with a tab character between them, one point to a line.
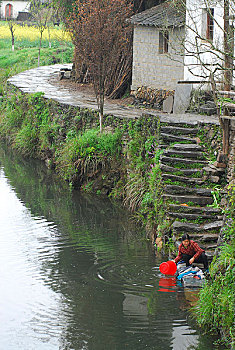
12	26
41	12
101	34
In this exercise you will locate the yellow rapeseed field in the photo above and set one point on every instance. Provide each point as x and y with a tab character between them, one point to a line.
32	33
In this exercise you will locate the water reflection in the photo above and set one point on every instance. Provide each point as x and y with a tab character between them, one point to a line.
166	284
77	274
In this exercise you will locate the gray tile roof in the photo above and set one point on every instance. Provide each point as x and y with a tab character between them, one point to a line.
163	15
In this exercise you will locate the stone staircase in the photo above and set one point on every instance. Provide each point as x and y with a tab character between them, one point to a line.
187	191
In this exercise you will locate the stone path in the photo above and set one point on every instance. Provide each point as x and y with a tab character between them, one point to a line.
44	79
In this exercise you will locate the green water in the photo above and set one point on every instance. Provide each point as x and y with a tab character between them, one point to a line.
76	273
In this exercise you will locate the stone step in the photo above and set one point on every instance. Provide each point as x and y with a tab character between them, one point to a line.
188	180
200	200
181	124
173	160
186	147
162	146
181	227
189	216
210	254
174	138
206	241
177	130
214	225
195	210
211	246
175	189
184	154
187	172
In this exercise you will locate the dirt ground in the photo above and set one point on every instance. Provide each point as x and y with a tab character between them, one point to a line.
89	91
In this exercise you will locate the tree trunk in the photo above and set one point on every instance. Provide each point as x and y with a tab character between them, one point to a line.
100	103
101	109
101	121
228	66
39	49
12	41
227	48
49	36
226	129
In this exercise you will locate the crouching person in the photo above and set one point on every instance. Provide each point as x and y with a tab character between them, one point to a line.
190	252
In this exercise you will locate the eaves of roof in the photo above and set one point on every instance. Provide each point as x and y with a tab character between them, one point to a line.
166	14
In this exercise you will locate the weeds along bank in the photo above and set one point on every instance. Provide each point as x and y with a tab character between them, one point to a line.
215	309
123	163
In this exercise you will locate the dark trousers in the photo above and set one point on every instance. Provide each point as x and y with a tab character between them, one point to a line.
201	259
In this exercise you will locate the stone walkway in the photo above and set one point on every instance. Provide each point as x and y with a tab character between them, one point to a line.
45	79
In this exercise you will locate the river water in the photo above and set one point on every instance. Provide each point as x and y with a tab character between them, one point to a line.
77	274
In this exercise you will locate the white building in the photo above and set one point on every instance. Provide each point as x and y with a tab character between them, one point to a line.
155	31
11	9
174	44
204	39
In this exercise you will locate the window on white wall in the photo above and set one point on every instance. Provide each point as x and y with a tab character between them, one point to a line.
208	24
163	42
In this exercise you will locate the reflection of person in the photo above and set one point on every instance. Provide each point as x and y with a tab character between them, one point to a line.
189	252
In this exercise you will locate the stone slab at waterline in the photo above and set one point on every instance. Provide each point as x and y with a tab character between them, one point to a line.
46	79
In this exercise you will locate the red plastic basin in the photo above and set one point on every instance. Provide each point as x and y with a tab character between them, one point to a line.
168	268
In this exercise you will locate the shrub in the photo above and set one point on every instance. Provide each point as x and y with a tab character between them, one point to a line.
84	153
215	308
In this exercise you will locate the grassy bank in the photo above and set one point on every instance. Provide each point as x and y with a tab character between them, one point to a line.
25	55
216	305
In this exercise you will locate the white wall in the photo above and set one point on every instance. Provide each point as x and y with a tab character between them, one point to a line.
17	6
151	69
195	24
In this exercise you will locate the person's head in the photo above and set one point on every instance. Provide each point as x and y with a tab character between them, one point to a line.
185	239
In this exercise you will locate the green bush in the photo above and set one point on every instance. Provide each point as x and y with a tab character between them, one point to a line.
26	140
83	153
215	308
144	185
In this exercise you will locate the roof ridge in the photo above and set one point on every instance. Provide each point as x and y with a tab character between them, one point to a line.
165	14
